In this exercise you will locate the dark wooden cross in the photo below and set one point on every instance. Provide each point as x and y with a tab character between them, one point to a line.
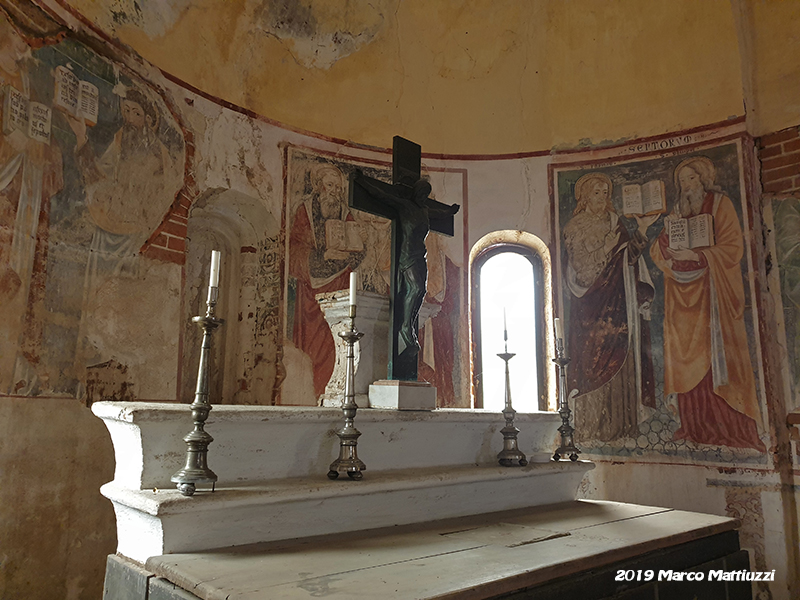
413	213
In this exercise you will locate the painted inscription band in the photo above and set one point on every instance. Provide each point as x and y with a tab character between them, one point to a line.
661	144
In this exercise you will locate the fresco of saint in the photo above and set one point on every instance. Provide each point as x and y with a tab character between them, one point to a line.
325	245
706	358
609	331
30	175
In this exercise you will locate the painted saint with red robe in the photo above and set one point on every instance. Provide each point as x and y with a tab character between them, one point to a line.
706	357
325	245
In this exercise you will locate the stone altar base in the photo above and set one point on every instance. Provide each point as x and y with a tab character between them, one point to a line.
434	516
402	395
371	351
272	464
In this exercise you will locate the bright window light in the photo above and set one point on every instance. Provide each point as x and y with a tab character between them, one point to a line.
506	285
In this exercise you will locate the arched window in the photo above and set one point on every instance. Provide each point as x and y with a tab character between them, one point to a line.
508	293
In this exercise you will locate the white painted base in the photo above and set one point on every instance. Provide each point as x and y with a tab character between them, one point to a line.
272	464
372	319
154	522
402	395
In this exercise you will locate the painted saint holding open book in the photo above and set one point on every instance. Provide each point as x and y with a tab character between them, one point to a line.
325	245
706	358
611	293
30	176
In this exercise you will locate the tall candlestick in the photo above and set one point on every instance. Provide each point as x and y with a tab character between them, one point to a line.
559	329
196	469
505	329
213	279
353	288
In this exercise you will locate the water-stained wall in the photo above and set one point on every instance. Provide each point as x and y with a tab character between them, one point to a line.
459	77
107	222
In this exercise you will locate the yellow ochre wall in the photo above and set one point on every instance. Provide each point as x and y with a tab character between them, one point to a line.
477	76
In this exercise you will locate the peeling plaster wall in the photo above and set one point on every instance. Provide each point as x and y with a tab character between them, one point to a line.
234	191
109	326
459	77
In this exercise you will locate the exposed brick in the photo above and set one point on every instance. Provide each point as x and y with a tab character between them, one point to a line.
181	211
765	153
178	244
791	146
782	185
781	161
783	173
160	240
178	219
779	136
177	229
168	256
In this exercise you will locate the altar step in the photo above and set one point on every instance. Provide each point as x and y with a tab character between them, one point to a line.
162	521
272	464
574	550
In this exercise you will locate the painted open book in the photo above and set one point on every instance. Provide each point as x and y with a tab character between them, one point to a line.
645	199
20	114
691	233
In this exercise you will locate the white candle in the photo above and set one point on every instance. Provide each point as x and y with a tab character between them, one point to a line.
505	328
559	329
353	288
213	280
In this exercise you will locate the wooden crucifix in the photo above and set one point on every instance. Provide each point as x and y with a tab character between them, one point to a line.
406	202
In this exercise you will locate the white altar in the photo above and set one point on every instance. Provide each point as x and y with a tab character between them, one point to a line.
433	517
272	464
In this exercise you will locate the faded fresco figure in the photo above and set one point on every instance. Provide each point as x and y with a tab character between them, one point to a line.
30	175
609	331
325	245
706	358
129	188
132	184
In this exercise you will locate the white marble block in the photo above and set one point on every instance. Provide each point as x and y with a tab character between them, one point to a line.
371	351
402	395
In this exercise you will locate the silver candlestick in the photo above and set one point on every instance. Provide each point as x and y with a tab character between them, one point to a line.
567	447
510	452
196	469
348	460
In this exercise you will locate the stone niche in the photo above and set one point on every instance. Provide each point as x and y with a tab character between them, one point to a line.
245	348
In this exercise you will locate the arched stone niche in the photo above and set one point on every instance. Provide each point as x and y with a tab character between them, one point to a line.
245	355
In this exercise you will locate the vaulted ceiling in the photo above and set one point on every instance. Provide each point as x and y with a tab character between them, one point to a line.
478	76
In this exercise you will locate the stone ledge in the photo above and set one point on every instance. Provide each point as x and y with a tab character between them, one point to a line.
151	523
261	443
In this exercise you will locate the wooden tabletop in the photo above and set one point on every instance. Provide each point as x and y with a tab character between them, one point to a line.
472	557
